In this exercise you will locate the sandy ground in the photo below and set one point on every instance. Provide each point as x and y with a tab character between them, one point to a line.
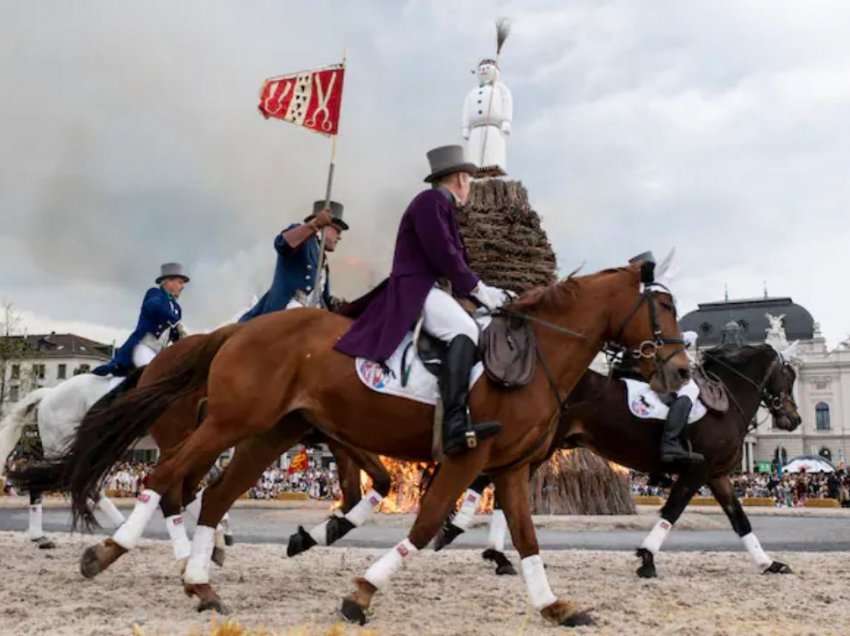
447	593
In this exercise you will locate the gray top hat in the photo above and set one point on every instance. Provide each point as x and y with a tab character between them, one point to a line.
447	160
336	213
171	270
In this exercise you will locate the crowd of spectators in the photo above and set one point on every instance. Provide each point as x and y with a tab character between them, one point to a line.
318	483
788	490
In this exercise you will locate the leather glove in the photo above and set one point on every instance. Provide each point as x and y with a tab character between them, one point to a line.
323	219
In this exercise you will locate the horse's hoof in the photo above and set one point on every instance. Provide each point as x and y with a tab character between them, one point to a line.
213	605
90	565
490	554
218	557
565	613
352	612
96	558
448	533
299	542
647	568
336	528
578	619
229	540
777	567
506	569
43	543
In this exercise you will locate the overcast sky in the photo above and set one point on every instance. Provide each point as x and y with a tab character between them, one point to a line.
130	136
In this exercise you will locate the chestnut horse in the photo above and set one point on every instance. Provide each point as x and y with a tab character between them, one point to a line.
599	418
278	376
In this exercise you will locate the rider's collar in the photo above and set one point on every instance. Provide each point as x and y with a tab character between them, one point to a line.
448	194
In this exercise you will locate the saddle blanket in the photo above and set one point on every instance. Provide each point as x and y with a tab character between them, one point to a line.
421	384
645	404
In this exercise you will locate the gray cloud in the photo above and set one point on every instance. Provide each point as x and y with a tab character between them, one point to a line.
131	137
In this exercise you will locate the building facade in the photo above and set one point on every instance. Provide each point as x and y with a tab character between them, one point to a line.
31	362
822	390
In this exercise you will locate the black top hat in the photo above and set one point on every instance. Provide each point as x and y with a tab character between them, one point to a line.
447	160
171	270
336	213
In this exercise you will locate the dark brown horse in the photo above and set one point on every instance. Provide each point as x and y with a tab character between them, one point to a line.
278	376
599	419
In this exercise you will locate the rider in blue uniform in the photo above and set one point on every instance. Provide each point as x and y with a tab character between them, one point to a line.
158	325
296	271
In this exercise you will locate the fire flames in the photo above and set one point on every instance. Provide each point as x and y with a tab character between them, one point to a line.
407	479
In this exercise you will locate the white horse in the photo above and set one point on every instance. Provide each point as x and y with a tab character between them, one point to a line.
57	412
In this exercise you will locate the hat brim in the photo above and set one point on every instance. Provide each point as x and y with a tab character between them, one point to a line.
338	222
469	168
159	279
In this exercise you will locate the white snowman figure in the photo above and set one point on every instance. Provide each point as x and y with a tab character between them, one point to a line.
487	116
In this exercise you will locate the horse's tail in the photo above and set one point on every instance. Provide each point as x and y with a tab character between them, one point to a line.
13	424
108	431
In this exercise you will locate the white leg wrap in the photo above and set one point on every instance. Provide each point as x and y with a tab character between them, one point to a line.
320	533
535	580
463	517
105	505
35	530
225	523
498	530
656	537
179	539
131	530
198	567
359	513
194	507
380	571
758	555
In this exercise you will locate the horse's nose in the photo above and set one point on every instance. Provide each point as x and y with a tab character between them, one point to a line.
685	374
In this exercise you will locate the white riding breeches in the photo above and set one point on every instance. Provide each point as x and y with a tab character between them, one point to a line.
444	318
142	355
689	390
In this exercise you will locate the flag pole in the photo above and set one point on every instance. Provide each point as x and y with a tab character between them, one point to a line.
318	289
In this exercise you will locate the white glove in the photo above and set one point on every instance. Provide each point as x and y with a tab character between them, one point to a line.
490	297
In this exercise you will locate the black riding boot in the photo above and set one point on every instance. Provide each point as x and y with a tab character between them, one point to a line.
458	431
672	450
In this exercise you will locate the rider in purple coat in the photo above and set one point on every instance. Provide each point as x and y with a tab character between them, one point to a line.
429	249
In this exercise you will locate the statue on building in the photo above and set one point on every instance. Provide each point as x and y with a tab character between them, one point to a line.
488	113
732	334
776	336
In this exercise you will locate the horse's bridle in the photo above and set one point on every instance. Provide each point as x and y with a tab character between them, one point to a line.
648	348
774	403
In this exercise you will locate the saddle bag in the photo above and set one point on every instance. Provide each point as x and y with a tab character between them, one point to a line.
712	391
508	350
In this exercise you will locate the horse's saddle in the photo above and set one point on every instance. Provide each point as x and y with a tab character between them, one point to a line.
507	348
712	391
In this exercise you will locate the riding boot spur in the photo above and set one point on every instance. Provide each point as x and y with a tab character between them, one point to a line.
673	450
459	433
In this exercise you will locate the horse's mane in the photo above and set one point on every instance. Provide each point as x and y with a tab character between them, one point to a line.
560	294
735	355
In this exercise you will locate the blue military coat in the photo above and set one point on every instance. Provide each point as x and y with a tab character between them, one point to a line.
294	271
159	312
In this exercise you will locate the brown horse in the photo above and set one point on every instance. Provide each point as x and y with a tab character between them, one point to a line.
599	418
279	376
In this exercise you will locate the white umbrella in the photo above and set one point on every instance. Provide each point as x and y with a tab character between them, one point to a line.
809	463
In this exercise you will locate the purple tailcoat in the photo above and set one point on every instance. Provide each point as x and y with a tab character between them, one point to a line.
428	247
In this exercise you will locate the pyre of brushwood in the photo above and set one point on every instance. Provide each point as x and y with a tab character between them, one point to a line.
509	248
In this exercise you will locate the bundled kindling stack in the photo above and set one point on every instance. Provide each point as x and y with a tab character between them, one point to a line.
507	245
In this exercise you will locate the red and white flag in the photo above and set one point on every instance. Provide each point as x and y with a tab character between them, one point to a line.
312	99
